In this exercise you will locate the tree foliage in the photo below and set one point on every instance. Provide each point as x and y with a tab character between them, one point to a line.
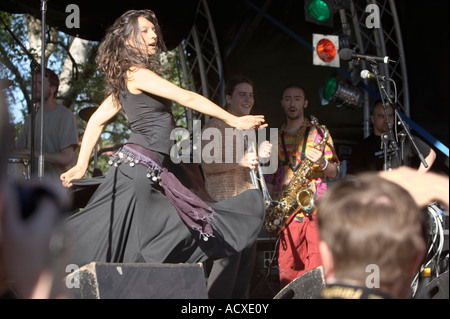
82	85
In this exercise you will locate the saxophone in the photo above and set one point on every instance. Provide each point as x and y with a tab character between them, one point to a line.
297	196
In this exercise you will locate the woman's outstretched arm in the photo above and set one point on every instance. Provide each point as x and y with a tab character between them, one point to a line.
144	80
93	130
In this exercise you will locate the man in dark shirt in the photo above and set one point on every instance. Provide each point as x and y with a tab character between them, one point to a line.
369	154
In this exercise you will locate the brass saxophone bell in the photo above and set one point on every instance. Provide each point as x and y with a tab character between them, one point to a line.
305	199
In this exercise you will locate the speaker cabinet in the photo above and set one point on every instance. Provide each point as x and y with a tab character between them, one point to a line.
265	279
137	281
306	286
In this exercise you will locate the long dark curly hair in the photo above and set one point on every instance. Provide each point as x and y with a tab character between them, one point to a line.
115	57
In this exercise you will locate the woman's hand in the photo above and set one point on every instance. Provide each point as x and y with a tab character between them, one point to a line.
75	172
249	122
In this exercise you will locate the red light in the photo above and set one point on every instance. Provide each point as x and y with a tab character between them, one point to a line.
326	50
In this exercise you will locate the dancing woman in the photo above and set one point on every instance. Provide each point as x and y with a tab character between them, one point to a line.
141	212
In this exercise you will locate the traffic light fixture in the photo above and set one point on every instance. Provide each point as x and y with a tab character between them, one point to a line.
320	12
326	50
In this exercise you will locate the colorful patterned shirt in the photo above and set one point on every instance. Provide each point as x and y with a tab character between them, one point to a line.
294	145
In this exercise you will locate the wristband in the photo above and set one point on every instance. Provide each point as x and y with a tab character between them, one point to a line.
326	165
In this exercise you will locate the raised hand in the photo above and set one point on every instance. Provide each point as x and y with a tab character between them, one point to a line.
75	172
250	122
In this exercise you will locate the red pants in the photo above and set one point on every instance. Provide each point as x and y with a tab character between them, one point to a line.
298	251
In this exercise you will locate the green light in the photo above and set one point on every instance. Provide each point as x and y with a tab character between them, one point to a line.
329	89
319	10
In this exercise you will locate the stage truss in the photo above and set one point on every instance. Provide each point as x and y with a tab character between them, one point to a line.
201	62
383	41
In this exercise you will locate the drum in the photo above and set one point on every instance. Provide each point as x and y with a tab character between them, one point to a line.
18	168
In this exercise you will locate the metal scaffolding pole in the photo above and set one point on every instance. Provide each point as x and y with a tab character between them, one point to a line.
384	40
201	60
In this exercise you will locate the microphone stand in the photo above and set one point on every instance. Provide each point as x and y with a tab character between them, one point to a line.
35	69
385	139
389	136
41	151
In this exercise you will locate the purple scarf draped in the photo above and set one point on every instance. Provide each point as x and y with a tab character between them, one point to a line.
192	210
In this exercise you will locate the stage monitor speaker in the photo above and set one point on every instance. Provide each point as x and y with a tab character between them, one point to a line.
306	286
137	281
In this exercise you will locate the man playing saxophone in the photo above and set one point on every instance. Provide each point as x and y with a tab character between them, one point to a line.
298	140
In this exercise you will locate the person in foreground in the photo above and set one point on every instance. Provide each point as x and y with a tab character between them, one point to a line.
31	250
141	212
372	238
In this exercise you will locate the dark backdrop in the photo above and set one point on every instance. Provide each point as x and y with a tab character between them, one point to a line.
273	59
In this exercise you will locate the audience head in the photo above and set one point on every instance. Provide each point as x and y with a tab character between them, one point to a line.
369	221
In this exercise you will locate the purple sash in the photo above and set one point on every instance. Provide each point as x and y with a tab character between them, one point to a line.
192	210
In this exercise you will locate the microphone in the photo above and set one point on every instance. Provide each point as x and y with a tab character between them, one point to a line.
347	55
365	74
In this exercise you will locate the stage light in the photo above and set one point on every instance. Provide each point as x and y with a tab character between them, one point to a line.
342	94
325	50
320	11
329	89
